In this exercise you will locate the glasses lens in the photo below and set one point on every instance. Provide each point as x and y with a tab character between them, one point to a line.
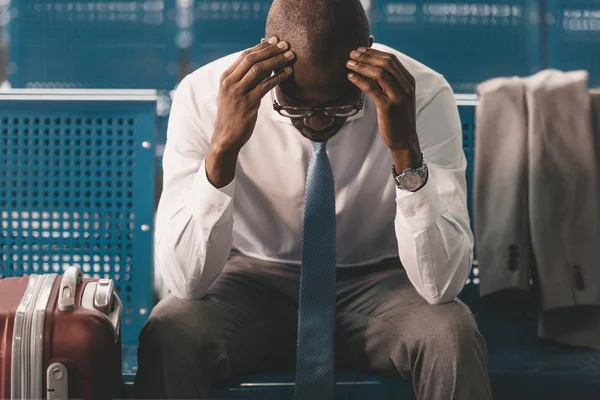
295	113
341	113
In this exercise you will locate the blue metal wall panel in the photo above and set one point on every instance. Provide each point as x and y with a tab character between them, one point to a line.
75	189
573	32
224	27
94	44
467	41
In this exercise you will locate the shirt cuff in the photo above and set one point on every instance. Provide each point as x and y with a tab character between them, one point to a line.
417	211
207	202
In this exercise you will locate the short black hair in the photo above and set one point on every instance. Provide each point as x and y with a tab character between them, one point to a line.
321	30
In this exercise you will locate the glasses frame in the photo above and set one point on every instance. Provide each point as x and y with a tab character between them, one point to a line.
310	111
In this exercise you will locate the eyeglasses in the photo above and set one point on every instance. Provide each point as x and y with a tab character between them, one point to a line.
307	112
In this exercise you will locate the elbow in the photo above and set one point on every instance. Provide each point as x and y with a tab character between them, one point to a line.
439	298
171	272
447	290
183	294
442	297
434	301
445	297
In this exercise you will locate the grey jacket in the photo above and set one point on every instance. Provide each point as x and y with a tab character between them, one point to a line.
536	197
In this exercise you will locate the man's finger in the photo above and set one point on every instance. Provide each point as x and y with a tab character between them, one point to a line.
405	73
400	66
249	60
390	63
264	69
268	84
262	45
378	74
370	87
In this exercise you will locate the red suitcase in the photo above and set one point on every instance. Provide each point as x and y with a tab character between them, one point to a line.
59	337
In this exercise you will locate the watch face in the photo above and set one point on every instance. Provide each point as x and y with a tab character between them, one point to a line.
411	181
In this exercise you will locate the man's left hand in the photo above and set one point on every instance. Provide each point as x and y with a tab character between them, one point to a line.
392	88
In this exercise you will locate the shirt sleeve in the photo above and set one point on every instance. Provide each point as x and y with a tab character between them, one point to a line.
194	222
435	241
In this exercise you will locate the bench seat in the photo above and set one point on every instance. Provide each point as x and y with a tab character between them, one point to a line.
521	367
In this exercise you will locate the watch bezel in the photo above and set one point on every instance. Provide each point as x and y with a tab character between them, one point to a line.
422	172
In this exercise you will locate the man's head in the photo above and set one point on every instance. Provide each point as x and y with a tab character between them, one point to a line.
322	33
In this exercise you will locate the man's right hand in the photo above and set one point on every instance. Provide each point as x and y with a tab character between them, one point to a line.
243	85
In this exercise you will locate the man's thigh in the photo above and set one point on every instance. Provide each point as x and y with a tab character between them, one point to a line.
245	322
382	320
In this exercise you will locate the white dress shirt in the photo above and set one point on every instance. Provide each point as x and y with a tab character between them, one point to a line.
261	212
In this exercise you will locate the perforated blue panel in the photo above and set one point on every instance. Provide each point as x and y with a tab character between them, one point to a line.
467	41
467	117
163	109
574	36
75	189
470	293
94	44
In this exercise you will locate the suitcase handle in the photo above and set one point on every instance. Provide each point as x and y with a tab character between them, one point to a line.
68	286
107	301
115	315
104	295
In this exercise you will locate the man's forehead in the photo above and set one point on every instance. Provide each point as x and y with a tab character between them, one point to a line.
318	95
318	84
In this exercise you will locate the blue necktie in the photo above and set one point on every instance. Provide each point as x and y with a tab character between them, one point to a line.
315	360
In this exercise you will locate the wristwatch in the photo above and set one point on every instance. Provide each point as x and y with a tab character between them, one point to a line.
412	179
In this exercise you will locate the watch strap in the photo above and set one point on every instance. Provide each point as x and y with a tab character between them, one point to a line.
421	171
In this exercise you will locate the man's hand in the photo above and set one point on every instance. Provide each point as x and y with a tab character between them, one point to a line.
392	88
243	85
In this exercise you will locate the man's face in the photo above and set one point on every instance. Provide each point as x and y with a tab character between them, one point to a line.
315	86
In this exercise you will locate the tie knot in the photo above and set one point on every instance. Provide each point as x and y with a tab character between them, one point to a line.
319	147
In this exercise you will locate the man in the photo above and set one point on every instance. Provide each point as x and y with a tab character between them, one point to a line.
229	234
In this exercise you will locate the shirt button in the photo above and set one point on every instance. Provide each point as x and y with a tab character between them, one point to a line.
217	209
513	257
410	213
579	283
